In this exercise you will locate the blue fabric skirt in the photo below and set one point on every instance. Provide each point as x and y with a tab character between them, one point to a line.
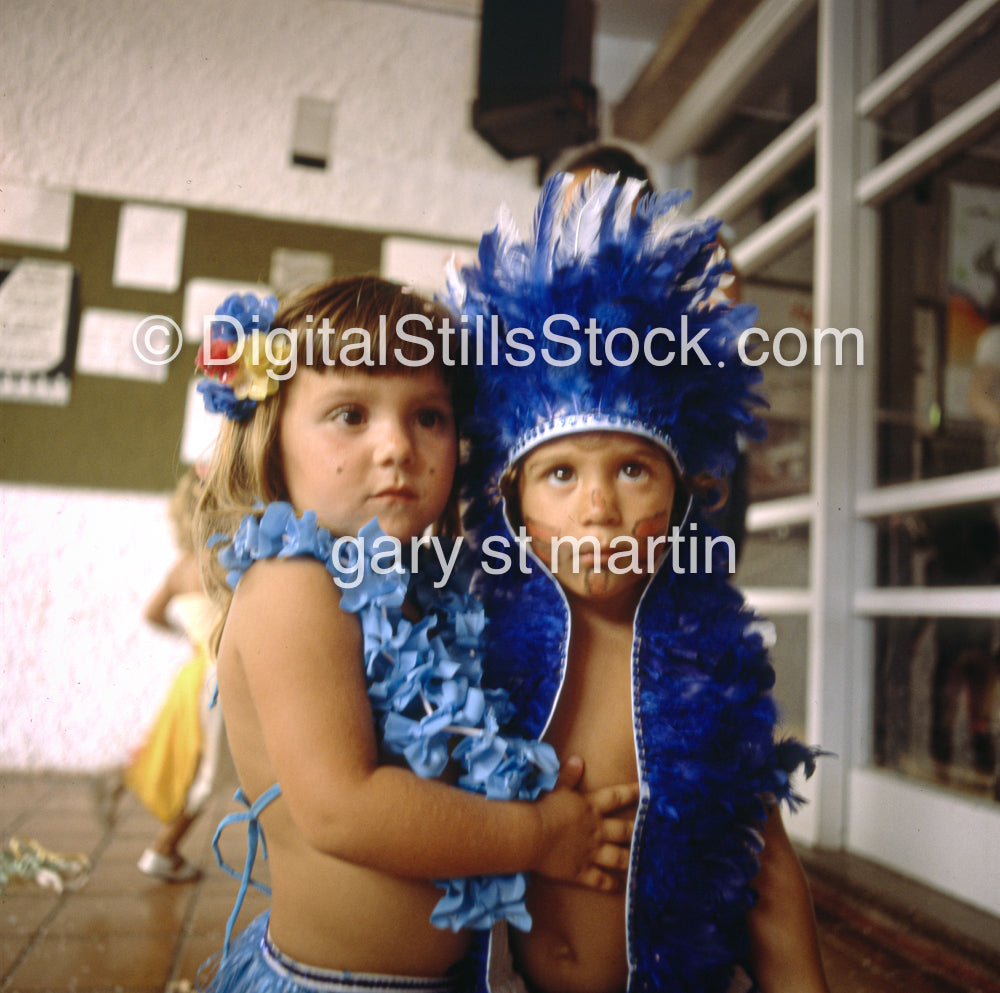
255	965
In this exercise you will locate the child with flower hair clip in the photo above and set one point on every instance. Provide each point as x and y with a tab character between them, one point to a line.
593	453
320	463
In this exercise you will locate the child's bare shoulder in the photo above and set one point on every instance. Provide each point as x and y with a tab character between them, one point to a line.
282	599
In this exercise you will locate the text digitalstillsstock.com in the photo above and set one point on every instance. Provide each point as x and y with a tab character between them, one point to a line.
157	340
688	553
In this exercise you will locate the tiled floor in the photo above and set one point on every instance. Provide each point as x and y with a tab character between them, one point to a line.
126	933
121	931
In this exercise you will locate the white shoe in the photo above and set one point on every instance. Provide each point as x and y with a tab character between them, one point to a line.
170	870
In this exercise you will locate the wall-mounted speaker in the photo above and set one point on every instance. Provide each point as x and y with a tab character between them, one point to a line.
535	95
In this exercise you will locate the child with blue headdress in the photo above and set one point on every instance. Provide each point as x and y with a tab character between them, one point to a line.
609	401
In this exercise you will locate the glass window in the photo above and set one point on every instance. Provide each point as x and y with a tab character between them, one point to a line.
789	654
935	692
966	70
775	558
970	71
779	466
902	25
776	96
939	379
945	546
936	700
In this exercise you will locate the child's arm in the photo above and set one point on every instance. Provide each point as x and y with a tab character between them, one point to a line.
302	658
785	943
182	577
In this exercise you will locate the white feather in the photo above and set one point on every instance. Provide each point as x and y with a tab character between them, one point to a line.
584	223
669	225
506	226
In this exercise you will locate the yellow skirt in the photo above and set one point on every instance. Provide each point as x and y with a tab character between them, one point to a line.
163	769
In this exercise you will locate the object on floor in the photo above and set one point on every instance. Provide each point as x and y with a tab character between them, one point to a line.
26	859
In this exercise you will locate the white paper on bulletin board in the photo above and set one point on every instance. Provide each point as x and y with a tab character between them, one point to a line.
421	264
202	298
294	269
30	215
34	315
36	359
200	428
107	347
150	247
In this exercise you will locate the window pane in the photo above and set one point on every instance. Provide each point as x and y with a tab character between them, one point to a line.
782	291
968	71
939	372
780	92
936	700
777	558
949	546
902	23
789	656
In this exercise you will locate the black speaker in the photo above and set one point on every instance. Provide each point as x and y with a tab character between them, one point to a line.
535	95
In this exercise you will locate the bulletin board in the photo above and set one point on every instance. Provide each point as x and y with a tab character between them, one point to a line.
122	433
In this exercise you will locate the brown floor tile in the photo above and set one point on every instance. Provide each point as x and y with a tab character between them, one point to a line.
18	796
194	950
10	949
117	877
125	849
869	949
147	913
61	832
140	828
132	818
73	796
98	963
24	907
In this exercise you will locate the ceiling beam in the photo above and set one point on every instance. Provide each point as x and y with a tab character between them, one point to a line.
693	38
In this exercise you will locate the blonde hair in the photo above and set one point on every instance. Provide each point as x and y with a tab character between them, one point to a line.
246	466
181	510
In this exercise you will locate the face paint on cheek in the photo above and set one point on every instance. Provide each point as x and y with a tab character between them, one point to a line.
651	526
540	535
539	530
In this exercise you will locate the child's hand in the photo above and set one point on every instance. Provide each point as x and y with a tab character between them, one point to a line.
583	842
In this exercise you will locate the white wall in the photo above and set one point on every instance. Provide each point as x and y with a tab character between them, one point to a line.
82	673
192	102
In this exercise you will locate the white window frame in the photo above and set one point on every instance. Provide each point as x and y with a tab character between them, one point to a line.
930	833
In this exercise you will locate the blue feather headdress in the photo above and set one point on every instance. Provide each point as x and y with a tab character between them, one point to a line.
665	363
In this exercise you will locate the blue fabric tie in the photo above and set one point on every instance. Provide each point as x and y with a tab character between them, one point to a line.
254	833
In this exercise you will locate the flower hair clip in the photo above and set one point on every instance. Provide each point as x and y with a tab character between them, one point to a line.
241	365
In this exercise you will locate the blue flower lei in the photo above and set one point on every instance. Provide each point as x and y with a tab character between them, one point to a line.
424	684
